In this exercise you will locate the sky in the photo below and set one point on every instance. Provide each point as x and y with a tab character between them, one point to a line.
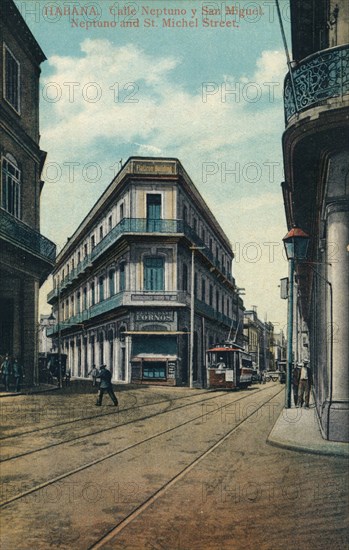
197	80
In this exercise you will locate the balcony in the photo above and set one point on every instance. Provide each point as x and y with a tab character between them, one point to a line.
131	298
135	225
317	79
22	236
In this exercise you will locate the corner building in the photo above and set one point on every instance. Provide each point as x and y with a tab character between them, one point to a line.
122	284
316	195
27	257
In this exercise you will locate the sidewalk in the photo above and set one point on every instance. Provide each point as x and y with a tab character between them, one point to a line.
299	430
29	390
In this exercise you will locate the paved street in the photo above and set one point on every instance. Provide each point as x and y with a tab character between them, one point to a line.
173	468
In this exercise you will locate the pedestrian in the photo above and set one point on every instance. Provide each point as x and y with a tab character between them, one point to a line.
295	381
67	376
6	372
305	382
93	372
105	385
17	374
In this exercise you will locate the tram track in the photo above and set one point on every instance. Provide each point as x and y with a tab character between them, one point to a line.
99	431
154	436
91	417
113	532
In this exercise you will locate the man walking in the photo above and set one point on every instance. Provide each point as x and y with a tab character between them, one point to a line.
105	385
6	372
305	382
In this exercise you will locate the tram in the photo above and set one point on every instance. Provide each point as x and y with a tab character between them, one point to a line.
229	367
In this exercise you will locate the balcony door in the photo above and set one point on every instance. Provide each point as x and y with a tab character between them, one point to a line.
153	212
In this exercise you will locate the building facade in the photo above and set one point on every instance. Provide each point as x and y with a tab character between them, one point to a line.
259	341
316	196
27	257
122	284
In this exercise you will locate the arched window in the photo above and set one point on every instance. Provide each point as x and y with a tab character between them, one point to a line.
11	186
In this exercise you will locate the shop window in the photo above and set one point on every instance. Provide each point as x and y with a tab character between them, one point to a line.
154	274
11	186
154	370
11	79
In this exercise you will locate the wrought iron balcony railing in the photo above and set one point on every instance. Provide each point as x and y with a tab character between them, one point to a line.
23	236
141	225
316	79
135	298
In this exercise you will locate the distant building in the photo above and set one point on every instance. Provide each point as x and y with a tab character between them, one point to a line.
45	343
122	284
27	257
316	196
279	349
259	341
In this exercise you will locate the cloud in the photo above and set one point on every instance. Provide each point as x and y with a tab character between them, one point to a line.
135	97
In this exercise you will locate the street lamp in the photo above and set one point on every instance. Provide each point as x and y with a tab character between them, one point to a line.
191	351
296	246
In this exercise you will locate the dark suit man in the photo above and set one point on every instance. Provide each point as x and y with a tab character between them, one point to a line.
105	385
305	382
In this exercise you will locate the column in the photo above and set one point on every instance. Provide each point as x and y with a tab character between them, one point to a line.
337	214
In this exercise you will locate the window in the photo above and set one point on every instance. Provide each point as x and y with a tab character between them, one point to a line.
101	289
101	233
111	282
85	250
85	298
154	274
217	300
203	290
211	296
153	212
72	306
121	211
110	223
185	277
195	224
195	285
185	213
93	242
11	187
122	281
11	80
78	302
93	294
79	257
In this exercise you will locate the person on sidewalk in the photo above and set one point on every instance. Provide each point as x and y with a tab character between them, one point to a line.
17	370
6	372
305	382
93	372
295	381
105	385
